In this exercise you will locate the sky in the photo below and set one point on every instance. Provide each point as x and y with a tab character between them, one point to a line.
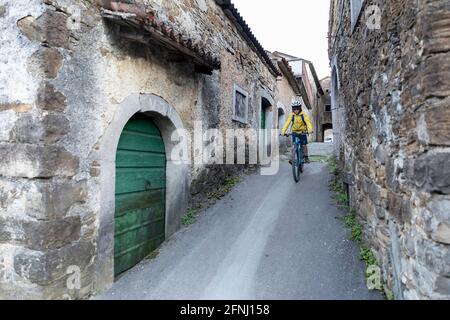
295	27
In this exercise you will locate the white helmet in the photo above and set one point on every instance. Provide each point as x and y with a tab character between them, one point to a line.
296	104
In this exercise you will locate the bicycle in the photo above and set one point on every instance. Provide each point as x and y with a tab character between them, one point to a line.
298	157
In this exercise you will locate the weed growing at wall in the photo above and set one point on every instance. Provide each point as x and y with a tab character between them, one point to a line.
351	222
225	188
333	165
191	216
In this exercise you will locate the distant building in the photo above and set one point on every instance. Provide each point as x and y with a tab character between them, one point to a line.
324	115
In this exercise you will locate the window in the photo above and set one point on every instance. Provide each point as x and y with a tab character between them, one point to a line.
328	108
355	7
240	105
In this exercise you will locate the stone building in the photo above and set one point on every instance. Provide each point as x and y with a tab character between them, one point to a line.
289	89
324	116
92	95
312	92
391	111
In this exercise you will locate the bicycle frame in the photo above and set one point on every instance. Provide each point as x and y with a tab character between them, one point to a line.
298	159
296	144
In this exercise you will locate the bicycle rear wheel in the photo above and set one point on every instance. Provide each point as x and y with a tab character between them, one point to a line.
295	164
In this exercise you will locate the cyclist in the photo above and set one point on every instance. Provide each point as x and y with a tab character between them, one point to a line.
301	126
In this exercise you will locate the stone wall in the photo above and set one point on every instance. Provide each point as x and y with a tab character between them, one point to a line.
393	94
62	86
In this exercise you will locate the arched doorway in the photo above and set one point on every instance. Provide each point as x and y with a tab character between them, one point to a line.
280	123
170	127
266	109
140	192
281	117
327	132
266	126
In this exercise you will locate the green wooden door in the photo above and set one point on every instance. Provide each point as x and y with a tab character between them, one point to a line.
140	193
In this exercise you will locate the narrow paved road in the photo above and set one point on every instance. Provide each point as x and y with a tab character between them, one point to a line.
268	239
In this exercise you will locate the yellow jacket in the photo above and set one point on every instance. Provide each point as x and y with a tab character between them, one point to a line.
298	126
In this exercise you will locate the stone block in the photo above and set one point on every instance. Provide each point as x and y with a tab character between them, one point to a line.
381	213
438	219
399	207
348	178
56	33
442	286
435	28
17	107
392	175
436	76
381	154
46	63
55	127
50	28
437	121
432	172
441	233
434	256
49	99
47	235
40	199
27	130
59	197
32	161
31	29
41	235
44	268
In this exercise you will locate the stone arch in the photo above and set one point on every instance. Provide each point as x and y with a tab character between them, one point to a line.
266	105
325	128
168	122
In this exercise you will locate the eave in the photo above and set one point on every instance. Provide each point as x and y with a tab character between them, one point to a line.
148	29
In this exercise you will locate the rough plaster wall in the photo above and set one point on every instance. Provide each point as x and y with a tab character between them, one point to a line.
17	92
393	87
285	94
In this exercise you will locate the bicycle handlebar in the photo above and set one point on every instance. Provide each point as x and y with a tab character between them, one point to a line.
290	134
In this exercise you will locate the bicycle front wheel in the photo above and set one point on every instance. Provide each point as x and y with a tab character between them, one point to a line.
295	164
301	160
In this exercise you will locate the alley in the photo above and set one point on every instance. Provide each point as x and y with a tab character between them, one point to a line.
268	239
